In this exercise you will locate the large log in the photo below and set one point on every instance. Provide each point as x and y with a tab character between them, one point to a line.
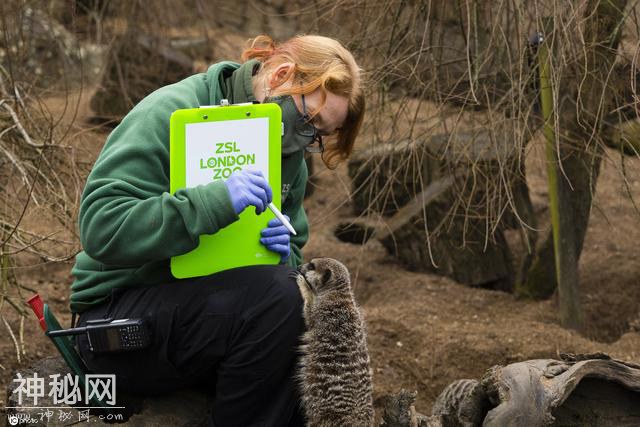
37	49
625	137
386	177
578	390
458	231
566	392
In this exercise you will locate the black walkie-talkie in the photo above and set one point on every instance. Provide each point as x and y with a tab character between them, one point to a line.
108	335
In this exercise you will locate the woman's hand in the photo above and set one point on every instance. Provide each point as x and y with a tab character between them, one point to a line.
276	238
247	187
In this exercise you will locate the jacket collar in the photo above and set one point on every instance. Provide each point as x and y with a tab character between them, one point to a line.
232	81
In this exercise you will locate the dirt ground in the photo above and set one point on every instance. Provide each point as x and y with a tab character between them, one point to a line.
424	330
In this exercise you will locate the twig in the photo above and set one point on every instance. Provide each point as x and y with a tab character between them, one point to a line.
19	309
13	337
21	128
16	163
24	353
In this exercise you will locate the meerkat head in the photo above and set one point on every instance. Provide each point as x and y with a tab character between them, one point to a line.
323	274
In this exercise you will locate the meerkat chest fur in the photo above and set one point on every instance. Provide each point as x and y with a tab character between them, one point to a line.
334	375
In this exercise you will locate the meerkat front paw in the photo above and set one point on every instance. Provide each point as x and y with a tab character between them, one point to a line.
306	292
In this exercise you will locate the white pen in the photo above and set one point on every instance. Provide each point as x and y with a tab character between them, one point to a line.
282	219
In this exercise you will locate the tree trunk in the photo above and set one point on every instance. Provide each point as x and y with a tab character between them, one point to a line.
584	101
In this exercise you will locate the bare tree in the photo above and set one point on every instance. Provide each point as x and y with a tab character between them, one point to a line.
39	171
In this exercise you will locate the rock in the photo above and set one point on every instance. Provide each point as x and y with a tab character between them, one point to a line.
281	19
137	65
38	49
182	408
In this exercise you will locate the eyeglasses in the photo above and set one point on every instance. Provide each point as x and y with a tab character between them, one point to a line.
305	127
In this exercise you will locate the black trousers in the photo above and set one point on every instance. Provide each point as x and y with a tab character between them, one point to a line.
235	333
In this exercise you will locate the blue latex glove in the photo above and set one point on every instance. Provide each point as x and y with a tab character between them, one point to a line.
247	187
276	238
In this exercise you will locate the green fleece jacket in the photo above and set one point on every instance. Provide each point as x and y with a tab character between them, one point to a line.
130	225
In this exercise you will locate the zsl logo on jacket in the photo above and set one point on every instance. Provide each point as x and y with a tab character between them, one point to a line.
285	191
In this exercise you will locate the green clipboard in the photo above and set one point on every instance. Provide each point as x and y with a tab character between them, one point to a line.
209	143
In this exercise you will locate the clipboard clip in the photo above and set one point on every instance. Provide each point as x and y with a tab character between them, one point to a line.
225	103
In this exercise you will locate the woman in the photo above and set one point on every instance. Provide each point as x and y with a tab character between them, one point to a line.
234	332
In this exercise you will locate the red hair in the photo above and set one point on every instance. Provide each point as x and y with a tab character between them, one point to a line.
320	62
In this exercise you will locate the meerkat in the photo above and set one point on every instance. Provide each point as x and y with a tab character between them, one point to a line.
334	374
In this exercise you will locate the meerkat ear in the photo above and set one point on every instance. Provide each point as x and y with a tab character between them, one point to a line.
326	276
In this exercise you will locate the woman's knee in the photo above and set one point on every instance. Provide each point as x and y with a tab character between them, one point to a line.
276	311
286	291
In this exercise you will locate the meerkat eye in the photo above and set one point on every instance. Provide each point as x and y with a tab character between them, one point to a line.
326	275
311	266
